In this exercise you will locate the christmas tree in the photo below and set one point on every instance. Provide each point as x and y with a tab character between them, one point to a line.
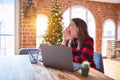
54	31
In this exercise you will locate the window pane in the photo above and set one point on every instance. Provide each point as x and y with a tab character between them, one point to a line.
6	27
78	12
91	24
41	28
109	28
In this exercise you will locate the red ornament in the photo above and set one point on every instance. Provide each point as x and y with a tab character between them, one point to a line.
53	41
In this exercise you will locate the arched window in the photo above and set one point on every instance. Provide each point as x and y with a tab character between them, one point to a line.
41	28
83	13
108	34
109	28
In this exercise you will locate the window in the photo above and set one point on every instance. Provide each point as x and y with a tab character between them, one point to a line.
109	28
108	34
41	28
7	27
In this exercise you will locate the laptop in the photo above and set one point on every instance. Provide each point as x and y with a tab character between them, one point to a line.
58	57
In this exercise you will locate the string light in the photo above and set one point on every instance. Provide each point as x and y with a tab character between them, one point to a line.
29	1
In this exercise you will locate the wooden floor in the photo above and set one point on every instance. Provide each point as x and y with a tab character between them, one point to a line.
112	68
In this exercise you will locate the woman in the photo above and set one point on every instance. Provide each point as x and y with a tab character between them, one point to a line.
76	36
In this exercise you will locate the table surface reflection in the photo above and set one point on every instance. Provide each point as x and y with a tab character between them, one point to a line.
18	67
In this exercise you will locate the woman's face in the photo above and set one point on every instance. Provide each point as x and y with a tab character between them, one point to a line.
73	29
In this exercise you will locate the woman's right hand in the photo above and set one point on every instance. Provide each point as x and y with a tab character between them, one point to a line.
67	34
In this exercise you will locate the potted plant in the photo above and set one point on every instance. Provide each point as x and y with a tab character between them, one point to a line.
85	68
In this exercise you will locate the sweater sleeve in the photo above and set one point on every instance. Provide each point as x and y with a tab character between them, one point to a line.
85	53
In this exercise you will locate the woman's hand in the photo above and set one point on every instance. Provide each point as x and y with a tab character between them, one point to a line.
66	35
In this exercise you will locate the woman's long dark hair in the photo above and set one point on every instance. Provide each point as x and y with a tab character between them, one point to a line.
83	32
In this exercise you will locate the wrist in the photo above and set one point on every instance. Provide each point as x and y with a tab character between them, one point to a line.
64	42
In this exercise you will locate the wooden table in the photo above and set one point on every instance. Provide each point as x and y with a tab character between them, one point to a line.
19	68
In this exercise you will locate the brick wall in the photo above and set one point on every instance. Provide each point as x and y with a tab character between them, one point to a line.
101	11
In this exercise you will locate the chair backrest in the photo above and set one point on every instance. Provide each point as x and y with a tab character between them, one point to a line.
98	61
24	51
